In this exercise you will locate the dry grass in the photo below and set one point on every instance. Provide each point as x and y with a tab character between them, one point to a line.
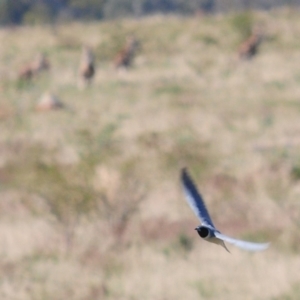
91	206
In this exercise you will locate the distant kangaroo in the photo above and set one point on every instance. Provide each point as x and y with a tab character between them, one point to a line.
249	47
87	65
125	57
39	64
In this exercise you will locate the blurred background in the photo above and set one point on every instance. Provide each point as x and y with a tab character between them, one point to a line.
101	105
47	11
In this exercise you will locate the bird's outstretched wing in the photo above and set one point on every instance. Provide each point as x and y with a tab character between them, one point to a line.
242	244
194	199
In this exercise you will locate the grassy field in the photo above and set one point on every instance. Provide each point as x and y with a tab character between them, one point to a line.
90	200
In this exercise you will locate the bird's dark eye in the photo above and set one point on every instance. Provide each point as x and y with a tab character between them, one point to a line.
203	232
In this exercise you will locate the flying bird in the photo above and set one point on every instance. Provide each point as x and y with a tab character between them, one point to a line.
207	229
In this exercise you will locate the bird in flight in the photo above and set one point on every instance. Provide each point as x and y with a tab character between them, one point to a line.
207	229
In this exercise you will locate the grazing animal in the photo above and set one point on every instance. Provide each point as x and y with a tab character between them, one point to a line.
125	57
207	229
87	67
249	48
39	64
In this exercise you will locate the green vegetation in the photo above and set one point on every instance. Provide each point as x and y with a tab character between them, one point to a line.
49	11
294	293
243	23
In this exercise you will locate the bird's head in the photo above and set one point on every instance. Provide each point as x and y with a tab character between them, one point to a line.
204	232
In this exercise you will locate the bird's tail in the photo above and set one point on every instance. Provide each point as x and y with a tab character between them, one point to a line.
222	243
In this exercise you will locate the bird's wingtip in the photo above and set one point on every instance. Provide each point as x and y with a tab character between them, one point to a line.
265	245
184	169
184	172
